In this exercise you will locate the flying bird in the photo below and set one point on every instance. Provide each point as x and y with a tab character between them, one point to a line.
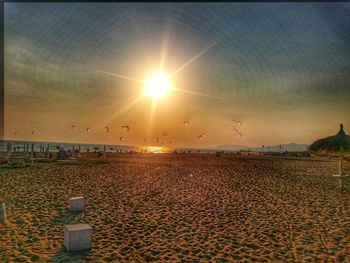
237	121
107	129
126	127
200	136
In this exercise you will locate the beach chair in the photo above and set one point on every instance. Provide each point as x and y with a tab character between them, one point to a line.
67	158
96	157
4	154
3	158
70	161
18	159
41	157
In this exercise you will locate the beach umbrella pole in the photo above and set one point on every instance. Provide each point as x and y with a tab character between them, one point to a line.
32	152
341	162
2	213
341	168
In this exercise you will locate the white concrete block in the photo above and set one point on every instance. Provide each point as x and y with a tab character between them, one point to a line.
2	213
76	204
77	237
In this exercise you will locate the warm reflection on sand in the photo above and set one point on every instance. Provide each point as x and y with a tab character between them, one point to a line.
155	149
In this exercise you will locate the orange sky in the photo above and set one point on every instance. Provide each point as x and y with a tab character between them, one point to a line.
282	71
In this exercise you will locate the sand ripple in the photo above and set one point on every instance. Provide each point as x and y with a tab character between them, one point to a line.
173	209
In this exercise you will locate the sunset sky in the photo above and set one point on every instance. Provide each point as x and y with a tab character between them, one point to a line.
282	69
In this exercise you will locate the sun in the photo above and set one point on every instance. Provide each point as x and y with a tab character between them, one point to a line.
158	85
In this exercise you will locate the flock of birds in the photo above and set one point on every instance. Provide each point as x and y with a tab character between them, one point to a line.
164	134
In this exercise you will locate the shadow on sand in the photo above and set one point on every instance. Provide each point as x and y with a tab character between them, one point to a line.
62	255
64	218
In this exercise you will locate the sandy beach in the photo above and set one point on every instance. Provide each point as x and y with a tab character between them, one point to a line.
179	208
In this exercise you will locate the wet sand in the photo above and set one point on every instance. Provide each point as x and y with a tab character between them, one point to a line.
179	208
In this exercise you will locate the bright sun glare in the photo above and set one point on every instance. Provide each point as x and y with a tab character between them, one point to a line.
158	85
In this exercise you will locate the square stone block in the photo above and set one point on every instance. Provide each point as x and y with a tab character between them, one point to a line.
77	237
76	204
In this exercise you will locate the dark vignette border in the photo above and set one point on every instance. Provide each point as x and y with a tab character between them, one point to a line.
2	72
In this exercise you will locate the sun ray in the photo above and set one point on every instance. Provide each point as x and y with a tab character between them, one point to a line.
190	61
163	53
120	76
200	94
120	111
151	118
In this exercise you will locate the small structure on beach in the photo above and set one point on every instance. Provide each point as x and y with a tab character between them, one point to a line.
337	143
18	159
77	237
2	213
77	204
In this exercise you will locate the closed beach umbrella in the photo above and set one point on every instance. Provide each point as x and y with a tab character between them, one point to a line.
8	147
336	143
